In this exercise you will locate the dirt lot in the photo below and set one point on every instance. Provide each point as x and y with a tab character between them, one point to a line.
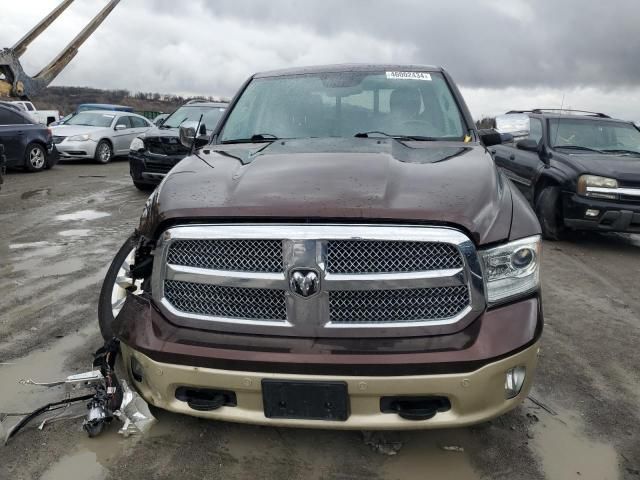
58	232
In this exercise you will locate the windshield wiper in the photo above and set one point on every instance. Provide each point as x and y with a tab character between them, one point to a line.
396	137
578	147
620	150
255	138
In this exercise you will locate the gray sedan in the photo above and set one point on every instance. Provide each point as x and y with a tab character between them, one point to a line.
98	134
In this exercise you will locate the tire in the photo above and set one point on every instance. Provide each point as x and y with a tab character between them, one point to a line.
549	212
35	157
145	187
104	152
112	296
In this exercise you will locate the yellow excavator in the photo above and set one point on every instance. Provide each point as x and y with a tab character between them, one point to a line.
14	82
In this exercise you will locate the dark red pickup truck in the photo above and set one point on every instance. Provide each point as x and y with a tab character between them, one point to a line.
342	253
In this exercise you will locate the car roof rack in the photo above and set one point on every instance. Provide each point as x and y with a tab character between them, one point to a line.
560	111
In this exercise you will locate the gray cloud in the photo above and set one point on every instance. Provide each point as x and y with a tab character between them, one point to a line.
210	47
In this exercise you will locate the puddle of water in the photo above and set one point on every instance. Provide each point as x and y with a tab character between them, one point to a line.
82	215
567	453
33	193
80	232
17	246
82	464
41	366
422	456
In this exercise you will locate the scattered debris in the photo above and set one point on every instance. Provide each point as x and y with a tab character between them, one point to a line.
111	399
452	448
533	417
381	443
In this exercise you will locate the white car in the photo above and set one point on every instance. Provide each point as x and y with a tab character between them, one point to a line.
98	134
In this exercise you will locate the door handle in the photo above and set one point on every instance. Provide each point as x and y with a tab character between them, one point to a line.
512	157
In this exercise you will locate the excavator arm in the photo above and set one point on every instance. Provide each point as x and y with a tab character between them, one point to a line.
14	82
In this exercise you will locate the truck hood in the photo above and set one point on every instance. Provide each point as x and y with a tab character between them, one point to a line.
337	180
621	167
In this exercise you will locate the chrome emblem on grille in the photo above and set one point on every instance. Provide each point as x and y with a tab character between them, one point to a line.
304	282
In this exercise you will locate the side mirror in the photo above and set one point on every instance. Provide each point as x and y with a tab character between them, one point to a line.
490	138
528	145
121	127
187	135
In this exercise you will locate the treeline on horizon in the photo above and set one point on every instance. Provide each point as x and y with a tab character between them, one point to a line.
66	99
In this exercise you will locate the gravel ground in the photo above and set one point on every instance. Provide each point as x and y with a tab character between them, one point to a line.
58	232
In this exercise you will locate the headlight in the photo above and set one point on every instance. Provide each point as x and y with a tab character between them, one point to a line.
512	270
136	144
79	138
597	187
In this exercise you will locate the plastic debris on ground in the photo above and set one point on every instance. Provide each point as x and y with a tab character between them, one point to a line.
111	398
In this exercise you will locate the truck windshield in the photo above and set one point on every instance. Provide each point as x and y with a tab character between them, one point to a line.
417	104
91	119
186	113
599	135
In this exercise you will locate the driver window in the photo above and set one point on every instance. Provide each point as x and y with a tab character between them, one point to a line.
535	129
124	121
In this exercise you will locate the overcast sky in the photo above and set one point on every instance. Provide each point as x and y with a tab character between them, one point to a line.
505	54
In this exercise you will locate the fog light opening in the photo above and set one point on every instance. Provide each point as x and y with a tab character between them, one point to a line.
514	381
591	212
137	372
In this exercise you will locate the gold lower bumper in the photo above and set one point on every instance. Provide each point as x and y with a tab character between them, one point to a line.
475	396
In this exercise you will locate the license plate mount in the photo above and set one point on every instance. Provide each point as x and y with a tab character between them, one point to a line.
304	400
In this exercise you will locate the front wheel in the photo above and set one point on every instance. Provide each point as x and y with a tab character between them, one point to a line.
117	284
104	152
35	158
549	212
145	187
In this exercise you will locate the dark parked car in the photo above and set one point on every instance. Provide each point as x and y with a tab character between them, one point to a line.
26	143
341	254
156	152
580	170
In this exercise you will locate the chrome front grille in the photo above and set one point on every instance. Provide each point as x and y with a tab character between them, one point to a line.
370	256
234	302
406	305
358	280
238	255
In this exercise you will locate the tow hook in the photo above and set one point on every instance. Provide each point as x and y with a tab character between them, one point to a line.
415	408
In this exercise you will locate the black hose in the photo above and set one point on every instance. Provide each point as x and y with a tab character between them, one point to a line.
25	420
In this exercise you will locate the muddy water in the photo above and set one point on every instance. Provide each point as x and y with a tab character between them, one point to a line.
566	452
90	458
423	455
41	366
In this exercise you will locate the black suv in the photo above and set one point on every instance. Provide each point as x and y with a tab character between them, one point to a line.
156	152
26	144
580	170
